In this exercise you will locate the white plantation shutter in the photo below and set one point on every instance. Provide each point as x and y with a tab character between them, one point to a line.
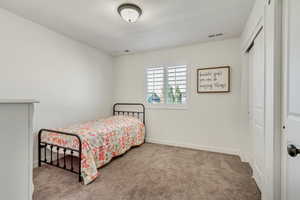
167	85
155	83
177	79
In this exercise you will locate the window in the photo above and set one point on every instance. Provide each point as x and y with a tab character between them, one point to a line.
167	85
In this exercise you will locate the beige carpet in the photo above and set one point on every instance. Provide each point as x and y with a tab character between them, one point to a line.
154	172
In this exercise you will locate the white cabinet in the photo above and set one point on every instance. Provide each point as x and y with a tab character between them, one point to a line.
16	149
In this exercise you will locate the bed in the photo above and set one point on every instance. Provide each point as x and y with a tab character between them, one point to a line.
85	147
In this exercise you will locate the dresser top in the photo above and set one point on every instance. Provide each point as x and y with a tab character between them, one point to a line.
18	101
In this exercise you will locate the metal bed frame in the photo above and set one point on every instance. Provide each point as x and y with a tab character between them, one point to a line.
42	146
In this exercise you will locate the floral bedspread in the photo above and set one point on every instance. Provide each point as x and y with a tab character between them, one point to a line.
101	139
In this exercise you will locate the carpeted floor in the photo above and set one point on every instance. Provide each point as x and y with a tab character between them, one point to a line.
154	172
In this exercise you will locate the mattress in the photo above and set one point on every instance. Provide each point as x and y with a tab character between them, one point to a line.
101	139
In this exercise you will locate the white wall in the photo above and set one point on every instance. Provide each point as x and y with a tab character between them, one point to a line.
211	121
72	81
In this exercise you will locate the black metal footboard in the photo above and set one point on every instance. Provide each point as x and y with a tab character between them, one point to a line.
60	161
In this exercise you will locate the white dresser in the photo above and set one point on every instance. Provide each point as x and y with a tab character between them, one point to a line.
16	149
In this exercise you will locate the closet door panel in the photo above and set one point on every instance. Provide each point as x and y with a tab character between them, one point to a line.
257	125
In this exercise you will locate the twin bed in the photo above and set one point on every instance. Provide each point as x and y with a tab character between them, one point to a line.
85	147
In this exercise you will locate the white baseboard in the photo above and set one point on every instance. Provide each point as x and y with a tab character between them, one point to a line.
256	173
35	164
244	157
258	177
195	146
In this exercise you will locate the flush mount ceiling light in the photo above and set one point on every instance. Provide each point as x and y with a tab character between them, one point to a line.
130	12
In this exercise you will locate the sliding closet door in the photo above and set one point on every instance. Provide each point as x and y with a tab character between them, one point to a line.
250	105
257	104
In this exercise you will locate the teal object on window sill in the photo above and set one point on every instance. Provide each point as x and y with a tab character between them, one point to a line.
154	98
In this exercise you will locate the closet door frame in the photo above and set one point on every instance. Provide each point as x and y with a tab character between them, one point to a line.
267	14
270	19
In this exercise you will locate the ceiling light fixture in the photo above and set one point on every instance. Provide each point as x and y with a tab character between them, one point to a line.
129	12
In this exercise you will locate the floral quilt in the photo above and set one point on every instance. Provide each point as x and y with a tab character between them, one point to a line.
102	140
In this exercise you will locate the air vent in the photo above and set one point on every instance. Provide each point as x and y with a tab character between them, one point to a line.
215	35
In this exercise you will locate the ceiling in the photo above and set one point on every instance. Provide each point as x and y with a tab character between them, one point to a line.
164	23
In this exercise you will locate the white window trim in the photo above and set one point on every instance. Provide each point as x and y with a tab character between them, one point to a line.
165	106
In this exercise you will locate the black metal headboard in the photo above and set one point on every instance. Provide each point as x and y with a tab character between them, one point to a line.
138	112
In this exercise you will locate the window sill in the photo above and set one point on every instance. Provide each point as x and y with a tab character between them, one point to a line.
166	107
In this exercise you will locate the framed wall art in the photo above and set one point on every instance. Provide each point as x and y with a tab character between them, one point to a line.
213	80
